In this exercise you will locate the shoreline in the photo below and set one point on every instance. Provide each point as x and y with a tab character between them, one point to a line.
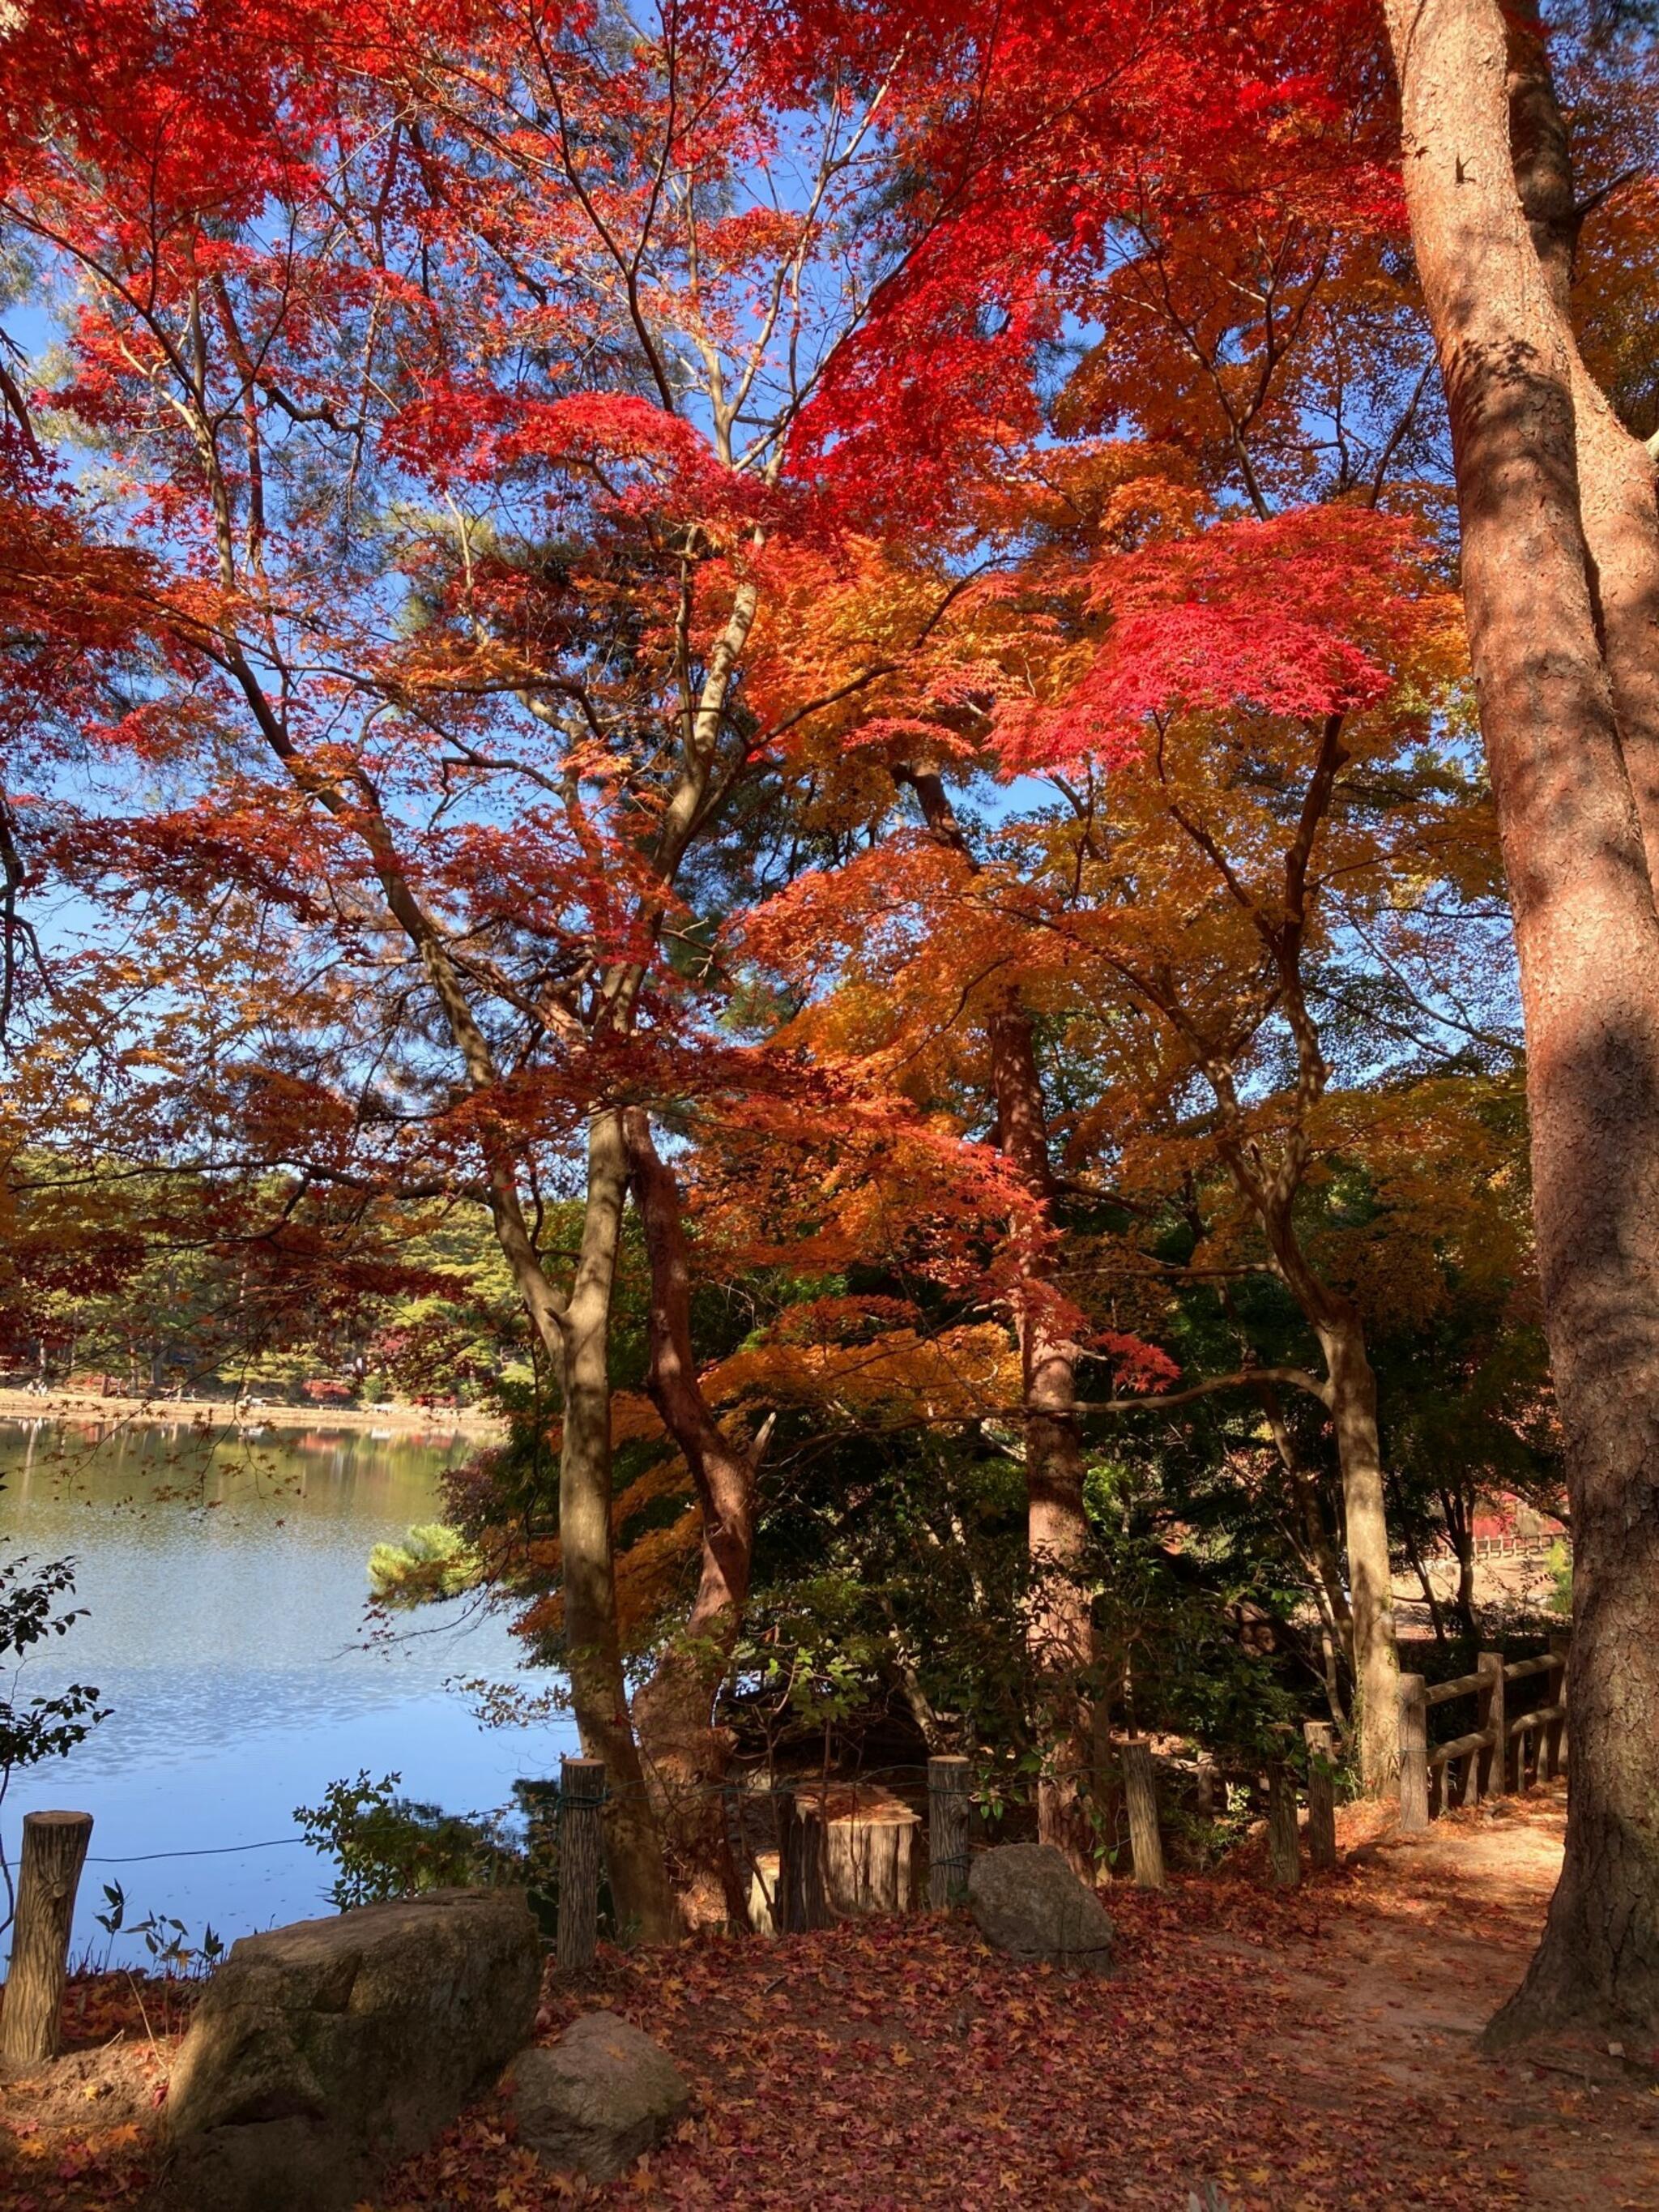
220	1413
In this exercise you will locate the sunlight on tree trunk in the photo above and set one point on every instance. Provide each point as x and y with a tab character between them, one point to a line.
1588	945
1370	1578
599	1693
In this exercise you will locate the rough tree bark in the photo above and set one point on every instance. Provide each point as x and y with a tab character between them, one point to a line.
1617	501
54	1853
1060	1624
686	1754
1570	780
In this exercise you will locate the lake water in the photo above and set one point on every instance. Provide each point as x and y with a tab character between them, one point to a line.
225	1581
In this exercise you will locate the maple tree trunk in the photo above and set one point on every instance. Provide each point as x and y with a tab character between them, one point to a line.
576	1334
1315	1550
1352	1387
599	1693
1464	1601
1588	941
686	1754
1459	1511
1060	1625
1425	1583
1349	1397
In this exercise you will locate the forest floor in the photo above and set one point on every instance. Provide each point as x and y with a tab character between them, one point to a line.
1297	2053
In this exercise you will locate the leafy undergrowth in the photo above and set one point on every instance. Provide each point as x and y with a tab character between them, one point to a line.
1302	2054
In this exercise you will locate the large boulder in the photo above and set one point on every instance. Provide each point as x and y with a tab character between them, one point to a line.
597	2099
1026	1901
321	2052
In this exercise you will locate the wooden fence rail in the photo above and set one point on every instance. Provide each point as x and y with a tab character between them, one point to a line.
1498	1755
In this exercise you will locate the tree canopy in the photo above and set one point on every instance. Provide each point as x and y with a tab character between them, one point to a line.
754	724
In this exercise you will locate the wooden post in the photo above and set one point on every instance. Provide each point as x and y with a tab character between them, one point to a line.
1513	1758
1413	1755
54	1853
1105	1777
1320	1739
1141	1795
947	1830
1555	1731
801	1902
866	1833
582	1849
1206	1787
1283	1848
1491	1780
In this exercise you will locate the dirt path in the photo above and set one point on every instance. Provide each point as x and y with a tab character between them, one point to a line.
1315	2053
1434	1933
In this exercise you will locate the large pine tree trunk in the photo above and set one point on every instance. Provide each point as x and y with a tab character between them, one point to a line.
598	1692
1059	1626
1588	945
1617	501
686	1752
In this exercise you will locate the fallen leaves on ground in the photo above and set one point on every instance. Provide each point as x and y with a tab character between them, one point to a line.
1302	2053
901	2063
76	2134
1306	2053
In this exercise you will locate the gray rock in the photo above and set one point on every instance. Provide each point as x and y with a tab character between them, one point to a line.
322	2052
1026	1901
598	2097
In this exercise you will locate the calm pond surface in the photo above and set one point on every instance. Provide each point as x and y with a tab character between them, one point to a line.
225	1581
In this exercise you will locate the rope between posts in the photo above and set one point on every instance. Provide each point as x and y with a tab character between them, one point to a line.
204	1852
578	1799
